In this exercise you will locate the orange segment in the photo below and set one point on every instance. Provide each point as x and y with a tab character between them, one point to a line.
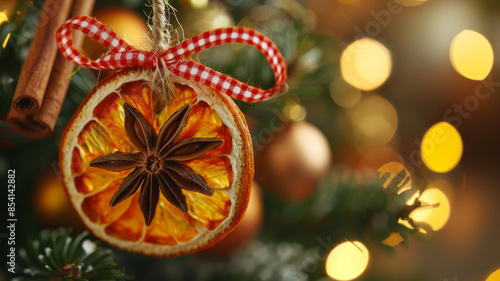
77	162
139	96
110	115
97	207
130	226
171	218
95	179
97	128
95	140
209	210
183	95
207	124
217	171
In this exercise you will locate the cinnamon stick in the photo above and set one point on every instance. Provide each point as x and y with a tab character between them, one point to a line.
59	79
44	80
37	67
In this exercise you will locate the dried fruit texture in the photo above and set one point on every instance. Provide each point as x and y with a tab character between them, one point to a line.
205	189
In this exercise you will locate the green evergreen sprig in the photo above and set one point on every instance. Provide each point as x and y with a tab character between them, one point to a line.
56	256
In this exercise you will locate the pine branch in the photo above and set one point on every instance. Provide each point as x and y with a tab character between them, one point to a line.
56	255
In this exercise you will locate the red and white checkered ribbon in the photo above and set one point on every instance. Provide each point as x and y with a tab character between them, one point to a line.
124	56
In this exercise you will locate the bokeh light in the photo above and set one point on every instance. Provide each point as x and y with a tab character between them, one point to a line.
366	64
347	261
5	41
436	216
375	121
50	198
495	276
343	94
394	169
393	240
198	4
471	55
204	18
222	20
3	17
441	147
411	3
295	111
126	23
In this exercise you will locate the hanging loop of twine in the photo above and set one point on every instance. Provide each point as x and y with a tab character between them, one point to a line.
175	60
161	86
160	28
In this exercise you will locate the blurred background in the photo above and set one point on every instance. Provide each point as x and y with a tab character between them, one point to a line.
376	89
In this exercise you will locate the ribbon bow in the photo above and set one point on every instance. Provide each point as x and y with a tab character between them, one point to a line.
124	56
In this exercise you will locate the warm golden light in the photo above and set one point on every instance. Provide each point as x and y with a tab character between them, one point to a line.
50	199
495	276
126	23
375	121
471	55
366	64
394	169
206	16
6	41
343	94
347	261
295	111
393	240
441	147
411	3
199	4
436	216
222	20
3	17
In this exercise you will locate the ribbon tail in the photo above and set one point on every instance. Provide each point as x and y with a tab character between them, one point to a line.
197	72
221	82
122	54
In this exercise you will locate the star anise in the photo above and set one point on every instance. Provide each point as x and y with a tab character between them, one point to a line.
158	164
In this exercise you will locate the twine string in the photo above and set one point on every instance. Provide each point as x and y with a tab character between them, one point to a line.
161	87
160	28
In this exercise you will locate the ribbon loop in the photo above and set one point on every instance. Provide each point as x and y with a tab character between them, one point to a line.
124	56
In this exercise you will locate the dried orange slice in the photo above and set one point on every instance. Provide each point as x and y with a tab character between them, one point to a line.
97	129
